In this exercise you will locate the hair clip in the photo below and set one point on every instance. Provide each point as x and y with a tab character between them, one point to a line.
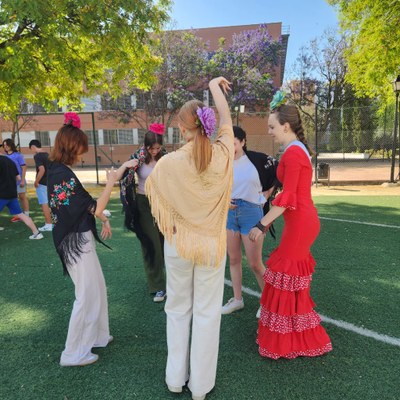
206	119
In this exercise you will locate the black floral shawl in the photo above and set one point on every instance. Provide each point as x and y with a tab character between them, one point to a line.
72	211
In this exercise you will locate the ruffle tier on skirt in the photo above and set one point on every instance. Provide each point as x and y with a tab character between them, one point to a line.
288	326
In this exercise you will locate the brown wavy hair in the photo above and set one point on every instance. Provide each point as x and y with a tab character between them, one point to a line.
70	142
202	150
290	114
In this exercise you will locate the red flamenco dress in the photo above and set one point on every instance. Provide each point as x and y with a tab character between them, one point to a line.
288	326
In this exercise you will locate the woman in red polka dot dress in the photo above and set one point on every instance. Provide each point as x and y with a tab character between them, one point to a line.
289	327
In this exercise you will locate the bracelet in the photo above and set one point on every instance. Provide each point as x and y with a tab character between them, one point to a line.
261	227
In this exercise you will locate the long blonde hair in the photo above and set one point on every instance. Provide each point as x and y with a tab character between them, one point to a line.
202	150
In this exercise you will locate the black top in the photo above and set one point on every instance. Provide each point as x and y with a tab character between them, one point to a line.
42	158
8	181
72	211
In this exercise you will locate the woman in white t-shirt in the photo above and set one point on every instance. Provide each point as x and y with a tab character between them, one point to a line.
254	179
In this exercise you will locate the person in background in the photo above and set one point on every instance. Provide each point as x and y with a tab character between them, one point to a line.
11	152
73	211
151	239
254	179
189	192
288	326
41	159
9	176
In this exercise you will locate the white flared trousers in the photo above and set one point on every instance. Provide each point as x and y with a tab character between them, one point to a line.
194	295
88	325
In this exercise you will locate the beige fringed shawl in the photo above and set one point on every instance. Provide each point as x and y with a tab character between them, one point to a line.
195	204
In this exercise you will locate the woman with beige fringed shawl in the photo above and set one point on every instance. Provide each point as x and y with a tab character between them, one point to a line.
189	192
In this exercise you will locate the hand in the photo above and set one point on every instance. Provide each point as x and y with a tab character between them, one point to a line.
106	230
267	193
223	83
133	163
232	205
112	175
22	183
36	184
255	234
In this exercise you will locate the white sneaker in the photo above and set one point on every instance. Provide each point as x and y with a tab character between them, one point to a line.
46	228
232	305
258	314
89	359
36	236
1	228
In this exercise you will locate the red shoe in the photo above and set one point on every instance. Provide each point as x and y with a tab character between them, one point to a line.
15	219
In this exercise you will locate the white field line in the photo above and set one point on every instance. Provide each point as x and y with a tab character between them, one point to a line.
360	222
341	324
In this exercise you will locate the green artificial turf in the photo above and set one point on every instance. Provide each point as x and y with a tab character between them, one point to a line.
357	280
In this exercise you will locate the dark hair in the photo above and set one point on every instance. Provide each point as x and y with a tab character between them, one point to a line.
10	143
290	114
70	142
150	139
36	143
240	135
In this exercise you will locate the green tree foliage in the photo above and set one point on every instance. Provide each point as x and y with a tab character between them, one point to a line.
61	50
373	28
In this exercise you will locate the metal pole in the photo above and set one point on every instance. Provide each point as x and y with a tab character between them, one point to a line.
316	144
237	118
95	148
396	115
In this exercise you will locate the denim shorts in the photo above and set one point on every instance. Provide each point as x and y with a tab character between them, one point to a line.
243	218
12	205
41	192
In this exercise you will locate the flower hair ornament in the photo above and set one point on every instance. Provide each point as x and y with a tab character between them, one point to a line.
206	119
158	129
278	100
71	118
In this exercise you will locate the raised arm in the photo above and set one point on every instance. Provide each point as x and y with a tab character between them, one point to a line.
218	88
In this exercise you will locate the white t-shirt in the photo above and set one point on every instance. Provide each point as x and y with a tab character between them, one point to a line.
246	181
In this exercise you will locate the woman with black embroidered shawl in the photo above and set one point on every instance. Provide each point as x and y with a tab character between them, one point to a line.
73	212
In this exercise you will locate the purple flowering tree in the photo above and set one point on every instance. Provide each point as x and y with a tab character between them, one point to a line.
249	63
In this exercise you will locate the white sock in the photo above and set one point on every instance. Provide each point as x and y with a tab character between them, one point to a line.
48	225
26	213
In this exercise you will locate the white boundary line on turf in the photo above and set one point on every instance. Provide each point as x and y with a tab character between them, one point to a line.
341	324
360	222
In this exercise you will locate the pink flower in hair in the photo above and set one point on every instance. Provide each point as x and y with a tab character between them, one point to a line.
71	118
157	128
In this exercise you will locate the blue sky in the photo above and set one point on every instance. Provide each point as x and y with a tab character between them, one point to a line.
306	19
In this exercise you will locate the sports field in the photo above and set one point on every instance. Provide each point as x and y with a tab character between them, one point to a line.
356	288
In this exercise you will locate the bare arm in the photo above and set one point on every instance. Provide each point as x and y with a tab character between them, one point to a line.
39	175
113	176
266	220
218	88
23	169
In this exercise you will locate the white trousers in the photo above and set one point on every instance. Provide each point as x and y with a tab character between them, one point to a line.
88	325
194	294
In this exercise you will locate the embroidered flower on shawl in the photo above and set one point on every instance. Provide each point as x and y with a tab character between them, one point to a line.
71	118
206	119
157	128
62	193
278	99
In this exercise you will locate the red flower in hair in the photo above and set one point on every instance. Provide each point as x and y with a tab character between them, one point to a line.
157	128
71	118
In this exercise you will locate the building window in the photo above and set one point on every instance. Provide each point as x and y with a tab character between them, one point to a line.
141	133
125	136
43	137
110	136
89	134
176	136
